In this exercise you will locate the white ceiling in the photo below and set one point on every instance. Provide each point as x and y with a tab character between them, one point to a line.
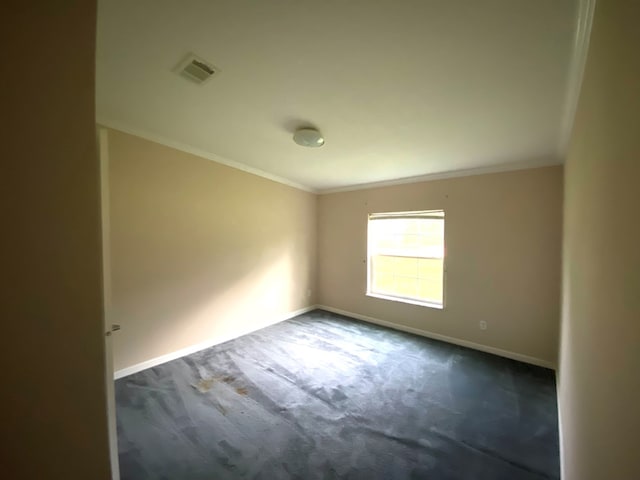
399	88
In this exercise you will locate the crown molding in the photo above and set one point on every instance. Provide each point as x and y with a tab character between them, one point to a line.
577	66
501	168
119	126
162	140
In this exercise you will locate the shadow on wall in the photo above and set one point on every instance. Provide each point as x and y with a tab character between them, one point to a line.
200	250
170	316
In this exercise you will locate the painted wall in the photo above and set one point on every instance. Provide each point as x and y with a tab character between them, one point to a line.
502	235
200	251
53	367
599	375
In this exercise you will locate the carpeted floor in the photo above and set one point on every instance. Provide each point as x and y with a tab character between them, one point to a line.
325	397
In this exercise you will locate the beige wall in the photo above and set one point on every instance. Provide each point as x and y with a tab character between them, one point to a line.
502	235
53	370
599	375
200	251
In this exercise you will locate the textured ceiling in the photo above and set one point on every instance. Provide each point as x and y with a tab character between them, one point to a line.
398	88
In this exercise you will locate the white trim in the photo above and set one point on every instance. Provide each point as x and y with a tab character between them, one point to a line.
183	147
577	66
412	301
501	168
436	336
162	140
204	345
103	158
560	437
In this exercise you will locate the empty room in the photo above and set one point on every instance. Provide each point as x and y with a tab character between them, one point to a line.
323	240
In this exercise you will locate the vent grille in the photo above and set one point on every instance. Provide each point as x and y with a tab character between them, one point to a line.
196	69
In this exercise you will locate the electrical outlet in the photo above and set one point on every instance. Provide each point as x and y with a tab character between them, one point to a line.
309	293
483	325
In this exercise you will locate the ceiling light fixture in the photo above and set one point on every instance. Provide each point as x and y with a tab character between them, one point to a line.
308	137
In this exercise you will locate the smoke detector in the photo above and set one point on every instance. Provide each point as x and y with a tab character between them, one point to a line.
308	137
196	69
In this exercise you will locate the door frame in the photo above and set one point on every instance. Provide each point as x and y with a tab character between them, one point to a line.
103	155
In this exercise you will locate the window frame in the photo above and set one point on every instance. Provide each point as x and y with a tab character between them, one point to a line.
440	214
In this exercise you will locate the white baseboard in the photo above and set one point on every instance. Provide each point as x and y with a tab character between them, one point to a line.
201	346
436	336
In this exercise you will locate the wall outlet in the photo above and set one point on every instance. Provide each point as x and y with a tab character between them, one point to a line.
309	293
483	325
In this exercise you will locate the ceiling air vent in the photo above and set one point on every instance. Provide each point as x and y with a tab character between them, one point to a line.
196	69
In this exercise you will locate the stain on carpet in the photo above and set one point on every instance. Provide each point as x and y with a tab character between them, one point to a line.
322	396
204	385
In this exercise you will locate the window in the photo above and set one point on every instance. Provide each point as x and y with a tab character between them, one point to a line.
406	257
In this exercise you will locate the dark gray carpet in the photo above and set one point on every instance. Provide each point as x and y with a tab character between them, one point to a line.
325	397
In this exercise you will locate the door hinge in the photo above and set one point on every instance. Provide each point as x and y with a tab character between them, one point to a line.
114	328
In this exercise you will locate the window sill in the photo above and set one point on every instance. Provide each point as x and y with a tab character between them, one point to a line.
410	301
